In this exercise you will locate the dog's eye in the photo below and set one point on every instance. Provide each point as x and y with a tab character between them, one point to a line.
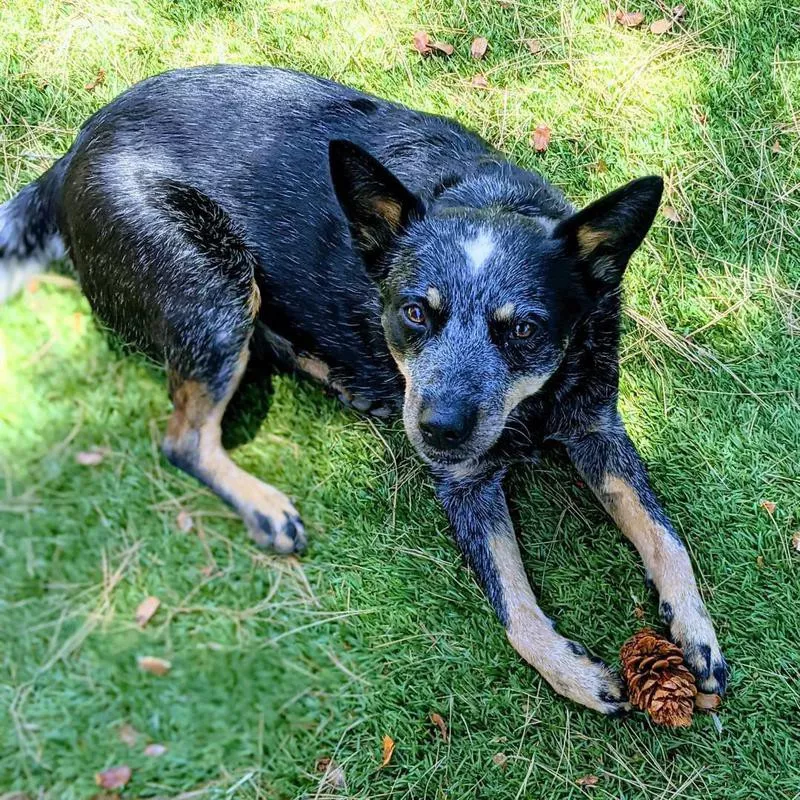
523	330
414	314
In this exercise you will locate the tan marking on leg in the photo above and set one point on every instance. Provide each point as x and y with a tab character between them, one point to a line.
434	298
668	565
314	367
505	313
194	440
254	300
531	634
665	559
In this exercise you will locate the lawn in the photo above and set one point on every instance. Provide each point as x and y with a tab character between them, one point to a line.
278	663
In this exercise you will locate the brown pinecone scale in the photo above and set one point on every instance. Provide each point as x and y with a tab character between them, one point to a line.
658	680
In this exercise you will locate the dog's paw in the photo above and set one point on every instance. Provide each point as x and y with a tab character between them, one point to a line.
693	631
587	680
274	523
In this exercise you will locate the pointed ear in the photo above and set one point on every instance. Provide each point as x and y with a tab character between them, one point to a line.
377	206
605	234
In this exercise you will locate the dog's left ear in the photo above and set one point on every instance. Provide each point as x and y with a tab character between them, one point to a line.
376	204
605	234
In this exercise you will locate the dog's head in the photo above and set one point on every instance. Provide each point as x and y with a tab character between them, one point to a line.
479	303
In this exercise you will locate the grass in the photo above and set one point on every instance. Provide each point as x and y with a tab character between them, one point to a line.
278	663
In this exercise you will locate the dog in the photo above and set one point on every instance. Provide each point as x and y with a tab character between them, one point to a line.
218	213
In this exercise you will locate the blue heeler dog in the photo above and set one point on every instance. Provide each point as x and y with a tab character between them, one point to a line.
222	215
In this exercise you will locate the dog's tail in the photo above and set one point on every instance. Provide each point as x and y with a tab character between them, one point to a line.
29	235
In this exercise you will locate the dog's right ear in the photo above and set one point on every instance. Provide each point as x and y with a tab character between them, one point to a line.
376	204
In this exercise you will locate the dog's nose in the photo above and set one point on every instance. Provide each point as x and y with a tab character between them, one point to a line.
446	426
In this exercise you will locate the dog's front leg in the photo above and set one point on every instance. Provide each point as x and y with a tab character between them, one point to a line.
610	465
482	526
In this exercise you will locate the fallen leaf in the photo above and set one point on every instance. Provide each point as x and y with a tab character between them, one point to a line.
776	147
534	45
184	521
128	734
388	750
437	720
98	80
671	214
707	702
768	506
629	19
540	138
90	458
760	562
588	780
155	750
146	609
479	46
322	764
479	82
678	13
422	43
500	760
662	26
443	47
638	612
154	665
113	777
796	541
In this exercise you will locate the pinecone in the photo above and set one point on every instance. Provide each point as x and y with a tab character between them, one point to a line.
658	681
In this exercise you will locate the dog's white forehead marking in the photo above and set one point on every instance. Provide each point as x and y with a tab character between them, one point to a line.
479	250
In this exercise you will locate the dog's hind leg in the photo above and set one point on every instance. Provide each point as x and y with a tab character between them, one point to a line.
193	443
209	317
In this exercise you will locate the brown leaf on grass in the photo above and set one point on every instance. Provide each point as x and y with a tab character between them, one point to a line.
146	609
128	734
776	147
707	702
671	214
98	80
760	562
629	19
443	47
479	82
662	26
769	507
388	750
322	764
478	48
154	665
540	138
155	750
439	722
500	760
638	612
422	43
796	541
533	45
91	458
113	777
184	521
588	780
